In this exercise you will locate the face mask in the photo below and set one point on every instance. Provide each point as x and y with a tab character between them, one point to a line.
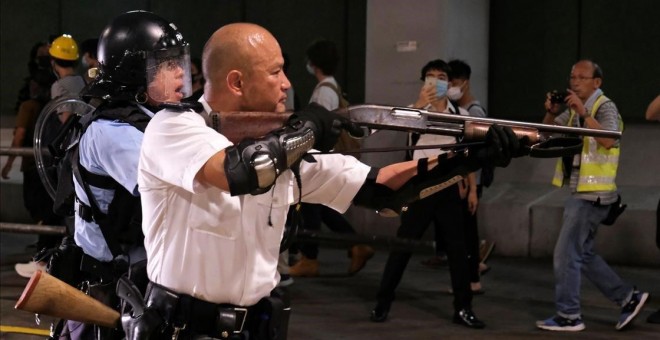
84	63
441	88
455	93
310	69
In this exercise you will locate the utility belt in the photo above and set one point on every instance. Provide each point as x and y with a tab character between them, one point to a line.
186	316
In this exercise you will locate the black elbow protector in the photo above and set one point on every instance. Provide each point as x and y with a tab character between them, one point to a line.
253	165
390	202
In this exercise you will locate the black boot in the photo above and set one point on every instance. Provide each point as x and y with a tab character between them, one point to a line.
379	314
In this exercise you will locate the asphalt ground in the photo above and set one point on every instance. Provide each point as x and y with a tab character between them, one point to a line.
518	291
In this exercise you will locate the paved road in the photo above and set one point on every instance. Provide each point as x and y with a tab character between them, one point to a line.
334	306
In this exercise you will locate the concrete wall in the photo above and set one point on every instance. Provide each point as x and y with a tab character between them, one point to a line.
522	211
444	29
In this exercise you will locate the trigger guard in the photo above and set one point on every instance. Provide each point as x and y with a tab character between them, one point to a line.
556	147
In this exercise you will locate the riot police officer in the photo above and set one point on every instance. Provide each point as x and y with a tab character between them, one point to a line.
143	62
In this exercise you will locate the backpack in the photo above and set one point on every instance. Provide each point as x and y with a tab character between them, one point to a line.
345	141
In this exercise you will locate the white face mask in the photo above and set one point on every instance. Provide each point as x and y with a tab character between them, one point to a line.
455	93
310	69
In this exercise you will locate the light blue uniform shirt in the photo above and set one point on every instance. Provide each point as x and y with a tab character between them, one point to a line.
108	148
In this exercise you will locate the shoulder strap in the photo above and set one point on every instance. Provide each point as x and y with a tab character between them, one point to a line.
96	214
128	114
332	86
340	96
477	105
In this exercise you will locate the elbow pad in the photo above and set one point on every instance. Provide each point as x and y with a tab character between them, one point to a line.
390	202
253	165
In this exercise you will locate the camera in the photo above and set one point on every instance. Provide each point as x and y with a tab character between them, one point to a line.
558	97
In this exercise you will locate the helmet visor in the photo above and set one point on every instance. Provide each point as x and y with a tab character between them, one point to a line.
168	74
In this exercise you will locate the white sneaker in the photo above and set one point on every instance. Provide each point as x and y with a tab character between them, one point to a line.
27	269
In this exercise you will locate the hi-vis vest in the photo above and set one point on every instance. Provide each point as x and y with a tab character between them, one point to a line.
598	165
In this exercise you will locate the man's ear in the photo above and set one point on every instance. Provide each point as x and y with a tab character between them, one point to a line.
598	82
235	82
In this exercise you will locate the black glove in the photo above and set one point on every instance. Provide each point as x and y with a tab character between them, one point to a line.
500	146
326	125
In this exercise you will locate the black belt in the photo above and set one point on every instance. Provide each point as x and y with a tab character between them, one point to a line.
186	313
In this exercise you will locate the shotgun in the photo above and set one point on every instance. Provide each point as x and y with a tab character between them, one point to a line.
45	294
238	125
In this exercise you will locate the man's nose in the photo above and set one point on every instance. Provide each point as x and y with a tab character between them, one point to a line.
286	84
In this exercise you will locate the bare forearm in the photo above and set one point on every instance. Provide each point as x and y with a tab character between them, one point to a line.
591	123
396	175
472	181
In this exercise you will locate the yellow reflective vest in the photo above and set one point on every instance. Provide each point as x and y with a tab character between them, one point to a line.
598	165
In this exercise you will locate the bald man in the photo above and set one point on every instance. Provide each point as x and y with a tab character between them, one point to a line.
214	212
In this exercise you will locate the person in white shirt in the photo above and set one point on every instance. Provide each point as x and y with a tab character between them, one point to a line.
322	61
214	212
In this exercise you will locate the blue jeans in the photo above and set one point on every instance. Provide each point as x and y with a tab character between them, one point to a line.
574	255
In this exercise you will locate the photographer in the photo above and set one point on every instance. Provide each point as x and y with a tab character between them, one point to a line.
591	178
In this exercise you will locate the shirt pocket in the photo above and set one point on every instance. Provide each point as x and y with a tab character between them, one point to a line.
218	215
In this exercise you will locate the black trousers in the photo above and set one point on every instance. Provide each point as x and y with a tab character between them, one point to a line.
315	214
472	239
446	210
40	206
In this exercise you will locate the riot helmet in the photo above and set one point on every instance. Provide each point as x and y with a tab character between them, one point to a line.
141	57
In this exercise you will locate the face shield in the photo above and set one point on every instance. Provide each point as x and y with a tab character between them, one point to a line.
168	74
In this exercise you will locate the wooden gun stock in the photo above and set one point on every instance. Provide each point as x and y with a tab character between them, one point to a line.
45	294
237	126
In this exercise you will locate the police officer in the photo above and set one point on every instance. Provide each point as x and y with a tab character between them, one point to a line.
214	211
143	62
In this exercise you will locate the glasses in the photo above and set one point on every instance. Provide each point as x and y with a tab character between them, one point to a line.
579	79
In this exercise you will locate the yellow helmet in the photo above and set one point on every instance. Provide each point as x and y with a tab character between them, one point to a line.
64	47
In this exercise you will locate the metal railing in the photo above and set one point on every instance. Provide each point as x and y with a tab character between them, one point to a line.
32	228
16	151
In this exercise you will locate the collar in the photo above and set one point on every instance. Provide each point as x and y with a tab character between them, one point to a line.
592	99
328	79
449	109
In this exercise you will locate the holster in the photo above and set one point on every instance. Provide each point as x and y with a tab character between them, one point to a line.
149	325
63	261
158	305
272	321
616	209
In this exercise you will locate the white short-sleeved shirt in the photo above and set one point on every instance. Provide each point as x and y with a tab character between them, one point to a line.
430	139
324	95
203	242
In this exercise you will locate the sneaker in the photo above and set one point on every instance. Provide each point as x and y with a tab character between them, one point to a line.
560	323
485	249
631	309
285	280
27	269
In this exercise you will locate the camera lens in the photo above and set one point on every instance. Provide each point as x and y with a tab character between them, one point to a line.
558	97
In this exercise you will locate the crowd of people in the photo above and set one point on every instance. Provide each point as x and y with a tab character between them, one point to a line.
196	220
